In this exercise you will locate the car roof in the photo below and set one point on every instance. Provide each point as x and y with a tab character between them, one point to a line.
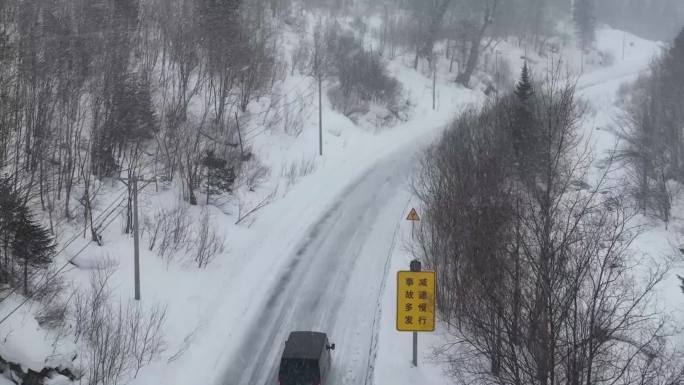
305	344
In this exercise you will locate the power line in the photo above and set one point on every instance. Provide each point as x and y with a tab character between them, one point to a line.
255	132
267	110
73	239
77	235
59	271
282	96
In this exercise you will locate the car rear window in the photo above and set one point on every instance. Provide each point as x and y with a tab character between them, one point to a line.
298	372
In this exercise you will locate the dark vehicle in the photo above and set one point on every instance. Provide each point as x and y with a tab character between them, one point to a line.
306	359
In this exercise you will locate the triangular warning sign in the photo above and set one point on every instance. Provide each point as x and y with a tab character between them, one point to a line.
413	215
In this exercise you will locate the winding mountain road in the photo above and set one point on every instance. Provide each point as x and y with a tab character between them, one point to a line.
333	281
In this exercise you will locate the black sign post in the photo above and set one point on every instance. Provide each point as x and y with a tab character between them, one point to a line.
415	266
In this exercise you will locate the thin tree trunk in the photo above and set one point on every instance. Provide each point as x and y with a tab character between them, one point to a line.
415	62
474	56
26	290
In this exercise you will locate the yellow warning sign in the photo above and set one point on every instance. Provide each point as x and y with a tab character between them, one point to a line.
413	215
416	301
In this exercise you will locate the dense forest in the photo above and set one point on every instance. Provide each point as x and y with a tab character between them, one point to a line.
95	90
651	129
539	283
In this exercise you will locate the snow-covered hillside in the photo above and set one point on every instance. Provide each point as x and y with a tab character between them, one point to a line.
209	310
351	201
598	85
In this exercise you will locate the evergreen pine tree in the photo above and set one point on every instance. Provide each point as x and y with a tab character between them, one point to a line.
585	22
523	89
134	115
523	127
679	42
8	204
672	62
220	176
676	58
669	95
146	122
25	243
32	244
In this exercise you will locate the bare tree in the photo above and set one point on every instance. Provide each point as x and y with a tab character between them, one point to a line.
486	14
428	17
121	338
585	22
653	145
169	231
208	242
537	277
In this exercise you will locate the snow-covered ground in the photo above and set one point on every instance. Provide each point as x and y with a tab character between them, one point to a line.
324	252
659	242
598	85
209	311
237	305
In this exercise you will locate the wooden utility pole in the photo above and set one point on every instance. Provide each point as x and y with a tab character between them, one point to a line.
136	239
242	149
132	184
318	74
320	113
497	75
434	86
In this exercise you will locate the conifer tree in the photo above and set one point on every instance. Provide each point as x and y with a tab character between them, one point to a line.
220	175
675	58
8	202
669	96
523	125
679	42
32	245
25	242
523	89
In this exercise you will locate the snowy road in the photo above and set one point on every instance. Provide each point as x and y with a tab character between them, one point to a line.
333	281
334	277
